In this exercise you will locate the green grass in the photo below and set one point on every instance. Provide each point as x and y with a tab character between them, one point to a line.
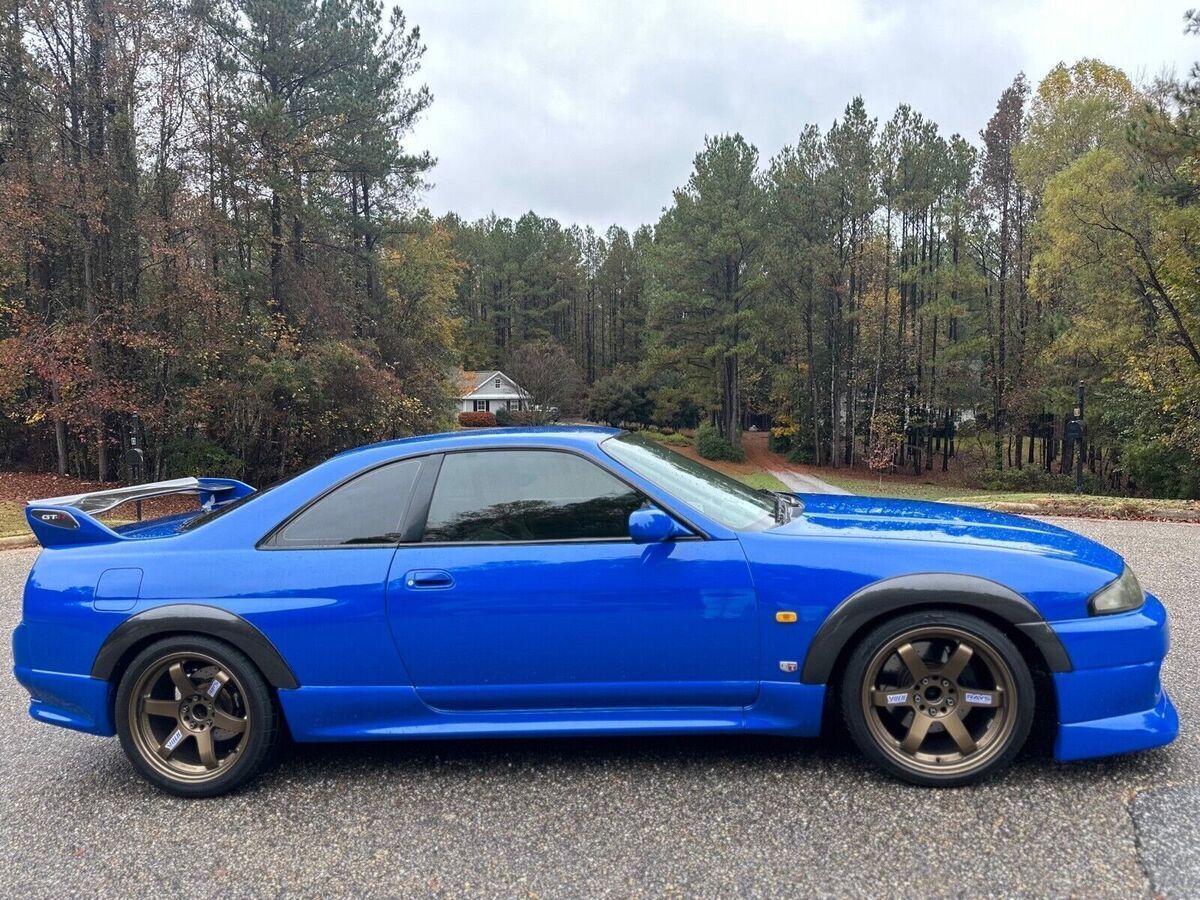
762	481
13	524
1027	502
1090	505
674	439
12	518
909	490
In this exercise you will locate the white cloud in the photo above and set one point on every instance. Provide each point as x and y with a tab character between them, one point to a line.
592	112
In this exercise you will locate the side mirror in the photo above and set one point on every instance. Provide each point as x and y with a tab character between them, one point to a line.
650	525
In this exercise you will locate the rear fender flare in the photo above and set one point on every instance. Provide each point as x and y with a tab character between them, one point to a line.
193	618
893	595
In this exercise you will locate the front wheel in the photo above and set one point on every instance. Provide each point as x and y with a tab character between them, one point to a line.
195	716
938	698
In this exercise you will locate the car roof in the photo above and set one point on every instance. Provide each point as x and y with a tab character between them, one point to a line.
546	435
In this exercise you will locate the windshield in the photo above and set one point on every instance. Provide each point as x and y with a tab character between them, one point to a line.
721	498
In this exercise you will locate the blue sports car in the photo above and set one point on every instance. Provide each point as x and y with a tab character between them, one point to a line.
576	581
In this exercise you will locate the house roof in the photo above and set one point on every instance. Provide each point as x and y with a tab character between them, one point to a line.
471	381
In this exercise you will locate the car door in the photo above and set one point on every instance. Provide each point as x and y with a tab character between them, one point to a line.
526	592
326	568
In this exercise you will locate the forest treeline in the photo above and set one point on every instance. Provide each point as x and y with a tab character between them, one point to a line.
208	223
212	222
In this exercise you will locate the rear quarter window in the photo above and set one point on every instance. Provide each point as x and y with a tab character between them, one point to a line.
369	509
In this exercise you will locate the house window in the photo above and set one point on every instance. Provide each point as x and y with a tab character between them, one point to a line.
481	406
497	382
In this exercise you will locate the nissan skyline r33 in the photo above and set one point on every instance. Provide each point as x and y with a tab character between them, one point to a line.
576	581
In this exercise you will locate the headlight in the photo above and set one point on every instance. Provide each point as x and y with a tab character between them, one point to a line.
1122	595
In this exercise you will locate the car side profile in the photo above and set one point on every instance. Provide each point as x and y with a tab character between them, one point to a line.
576	581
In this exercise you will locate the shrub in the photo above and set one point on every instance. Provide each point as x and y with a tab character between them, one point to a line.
673	408
614	401
711	445
195	455
506	417
783	434
476	419
1163	471
671	438
801	453
1035	478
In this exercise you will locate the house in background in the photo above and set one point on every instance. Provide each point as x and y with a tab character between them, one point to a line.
487	392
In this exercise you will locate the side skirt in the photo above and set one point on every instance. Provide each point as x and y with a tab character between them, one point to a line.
386	713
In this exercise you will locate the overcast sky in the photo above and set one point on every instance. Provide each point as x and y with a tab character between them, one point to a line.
591	112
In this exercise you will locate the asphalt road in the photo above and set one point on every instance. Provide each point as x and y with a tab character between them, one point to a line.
711	817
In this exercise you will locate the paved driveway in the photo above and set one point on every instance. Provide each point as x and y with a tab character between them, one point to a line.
613	817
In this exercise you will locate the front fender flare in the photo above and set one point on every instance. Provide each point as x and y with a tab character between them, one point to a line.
891	595
194	618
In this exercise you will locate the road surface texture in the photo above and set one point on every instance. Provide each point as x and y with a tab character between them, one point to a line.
709	817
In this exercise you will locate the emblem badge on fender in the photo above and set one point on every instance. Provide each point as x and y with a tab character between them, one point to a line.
788	666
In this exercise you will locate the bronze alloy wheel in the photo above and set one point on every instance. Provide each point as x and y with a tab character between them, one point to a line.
940	701
188	716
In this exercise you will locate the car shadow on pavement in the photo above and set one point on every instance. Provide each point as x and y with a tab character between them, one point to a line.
749	754
580	754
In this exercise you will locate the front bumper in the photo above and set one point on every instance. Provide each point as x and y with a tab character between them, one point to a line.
1113	700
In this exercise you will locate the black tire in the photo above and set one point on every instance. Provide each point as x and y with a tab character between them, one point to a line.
988	691
239	716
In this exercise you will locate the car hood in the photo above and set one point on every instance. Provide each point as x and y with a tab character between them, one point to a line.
835	515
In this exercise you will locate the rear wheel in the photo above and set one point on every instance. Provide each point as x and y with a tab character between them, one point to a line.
195	716
938	698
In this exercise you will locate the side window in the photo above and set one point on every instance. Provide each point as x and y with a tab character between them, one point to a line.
527	495
367	510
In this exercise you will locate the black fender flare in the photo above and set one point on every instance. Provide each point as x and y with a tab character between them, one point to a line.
891	595
194	618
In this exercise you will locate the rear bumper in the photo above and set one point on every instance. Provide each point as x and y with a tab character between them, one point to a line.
1113	700
62	698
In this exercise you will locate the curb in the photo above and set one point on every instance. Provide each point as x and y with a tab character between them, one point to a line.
18	542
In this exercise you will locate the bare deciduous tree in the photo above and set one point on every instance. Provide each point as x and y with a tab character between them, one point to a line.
548	378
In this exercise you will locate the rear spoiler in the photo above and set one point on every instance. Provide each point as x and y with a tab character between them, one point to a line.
70	519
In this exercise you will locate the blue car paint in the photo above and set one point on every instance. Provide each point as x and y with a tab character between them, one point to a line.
547	626
576	638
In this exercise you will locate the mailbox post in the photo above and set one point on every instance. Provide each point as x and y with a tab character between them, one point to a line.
135	457
1076	427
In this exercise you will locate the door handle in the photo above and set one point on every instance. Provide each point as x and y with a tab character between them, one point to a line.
427	579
